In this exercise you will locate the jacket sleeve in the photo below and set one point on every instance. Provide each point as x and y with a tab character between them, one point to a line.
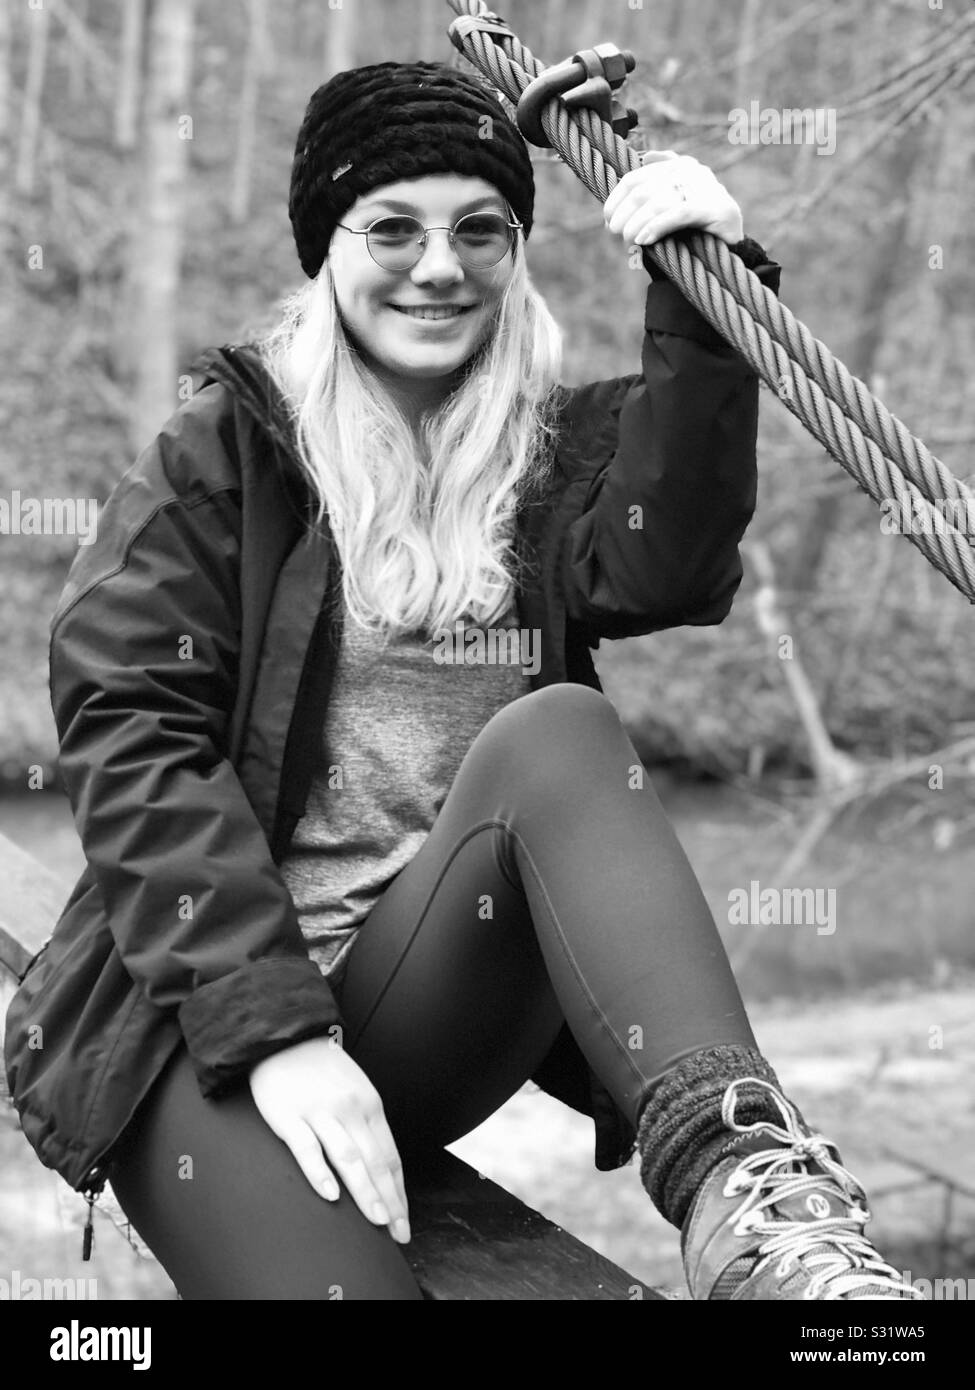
673	478
143	661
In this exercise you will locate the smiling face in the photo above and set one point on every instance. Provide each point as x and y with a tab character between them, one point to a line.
418	357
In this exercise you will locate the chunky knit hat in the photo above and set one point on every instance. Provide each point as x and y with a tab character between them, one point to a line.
375	125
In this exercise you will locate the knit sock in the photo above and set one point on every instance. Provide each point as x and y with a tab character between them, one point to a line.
681	1135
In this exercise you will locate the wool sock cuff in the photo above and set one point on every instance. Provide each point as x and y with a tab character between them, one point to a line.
681	1134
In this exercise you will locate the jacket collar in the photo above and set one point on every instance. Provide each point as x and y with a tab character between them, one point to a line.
240	369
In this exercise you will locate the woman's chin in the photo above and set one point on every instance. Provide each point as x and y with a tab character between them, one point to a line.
431	362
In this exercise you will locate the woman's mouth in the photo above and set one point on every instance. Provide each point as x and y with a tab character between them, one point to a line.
434	312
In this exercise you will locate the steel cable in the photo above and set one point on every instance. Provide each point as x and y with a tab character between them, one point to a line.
883	457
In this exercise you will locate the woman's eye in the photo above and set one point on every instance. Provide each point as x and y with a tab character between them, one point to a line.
396	229
486	230
481	226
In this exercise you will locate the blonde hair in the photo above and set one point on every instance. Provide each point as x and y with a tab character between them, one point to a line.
421	545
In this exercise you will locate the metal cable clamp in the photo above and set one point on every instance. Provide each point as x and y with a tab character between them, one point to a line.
603	69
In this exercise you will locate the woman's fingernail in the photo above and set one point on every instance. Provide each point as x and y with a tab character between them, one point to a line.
380	1214
401	1231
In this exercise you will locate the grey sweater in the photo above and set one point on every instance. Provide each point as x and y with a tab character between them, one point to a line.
400	719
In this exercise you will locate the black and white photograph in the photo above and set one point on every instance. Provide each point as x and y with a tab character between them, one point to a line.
487	709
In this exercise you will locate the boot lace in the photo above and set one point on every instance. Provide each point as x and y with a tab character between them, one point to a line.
844	1264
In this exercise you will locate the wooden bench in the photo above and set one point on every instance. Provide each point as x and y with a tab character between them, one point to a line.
472	1240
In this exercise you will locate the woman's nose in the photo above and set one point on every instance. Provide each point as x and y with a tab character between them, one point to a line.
439	261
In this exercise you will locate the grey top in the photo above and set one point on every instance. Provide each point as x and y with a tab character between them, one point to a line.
400	719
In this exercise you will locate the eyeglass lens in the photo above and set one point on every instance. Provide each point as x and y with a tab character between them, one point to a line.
481	239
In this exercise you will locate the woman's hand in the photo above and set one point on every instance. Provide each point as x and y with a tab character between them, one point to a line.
668	192
315	1097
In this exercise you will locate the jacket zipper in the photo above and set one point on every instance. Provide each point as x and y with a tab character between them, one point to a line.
93	1184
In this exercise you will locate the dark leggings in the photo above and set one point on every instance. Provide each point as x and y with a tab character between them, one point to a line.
551	887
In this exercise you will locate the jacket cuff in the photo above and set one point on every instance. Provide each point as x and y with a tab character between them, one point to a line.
753	253
668	311
232	1023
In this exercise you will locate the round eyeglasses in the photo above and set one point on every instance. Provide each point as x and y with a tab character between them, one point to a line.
480	240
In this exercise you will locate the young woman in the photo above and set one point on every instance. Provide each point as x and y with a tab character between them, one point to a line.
347	888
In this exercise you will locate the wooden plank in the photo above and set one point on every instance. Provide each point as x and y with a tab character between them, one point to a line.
474	1241
30	905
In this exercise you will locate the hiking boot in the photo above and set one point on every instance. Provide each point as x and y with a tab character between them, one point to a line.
781	1218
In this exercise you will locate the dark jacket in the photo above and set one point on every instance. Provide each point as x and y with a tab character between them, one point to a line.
191	655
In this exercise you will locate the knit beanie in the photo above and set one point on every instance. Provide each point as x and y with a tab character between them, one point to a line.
374	125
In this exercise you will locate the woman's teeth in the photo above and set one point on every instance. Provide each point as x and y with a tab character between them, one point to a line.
445	311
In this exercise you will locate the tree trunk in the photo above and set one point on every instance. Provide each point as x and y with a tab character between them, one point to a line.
433	43
240	195
157	230
30	121
745	74
6	131
551	32
341	25
76	57
832	767
129	74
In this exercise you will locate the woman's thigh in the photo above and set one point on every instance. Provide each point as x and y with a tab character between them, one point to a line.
446	1000
550	889
226	1210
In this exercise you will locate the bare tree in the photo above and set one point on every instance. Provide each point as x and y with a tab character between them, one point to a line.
832	767
433	22
341	25
75	56
549	34
30	121
6	110
745	73
254	60
157	228
129	73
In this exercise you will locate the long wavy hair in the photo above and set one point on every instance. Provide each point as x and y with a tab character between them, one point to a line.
421	544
